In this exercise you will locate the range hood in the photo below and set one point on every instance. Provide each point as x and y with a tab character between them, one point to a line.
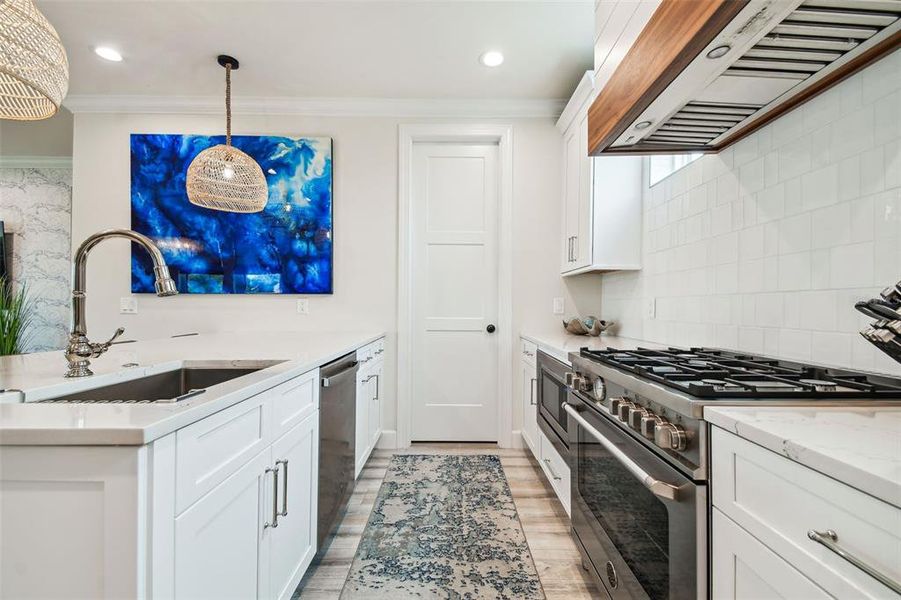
703	75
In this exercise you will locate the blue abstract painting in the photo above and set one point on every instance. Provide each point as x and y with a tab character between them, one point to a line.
285	249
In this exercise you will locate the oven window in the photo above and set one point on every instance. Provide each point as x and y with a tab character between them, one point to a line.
635	520
553	395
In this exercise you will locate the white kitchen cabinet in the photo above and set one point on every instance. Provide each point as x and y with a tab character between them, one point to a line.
745	569
370	380
555	469
778	502
293	542
529	396
601	197
222	541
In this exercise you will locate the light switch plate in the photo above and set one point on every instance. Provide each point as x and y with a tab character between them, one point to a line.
303	306
128	305
558	306
650	308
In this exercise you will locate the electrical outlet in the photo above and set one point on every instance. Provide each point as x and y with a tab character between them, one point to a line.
128	305
650	308
303	306
558	306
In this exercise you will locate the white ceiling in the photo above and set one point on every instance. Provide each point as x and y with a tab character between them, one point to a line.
297	48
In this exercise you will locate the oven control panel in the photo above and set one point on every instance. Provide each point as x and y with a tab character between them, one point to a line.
666	435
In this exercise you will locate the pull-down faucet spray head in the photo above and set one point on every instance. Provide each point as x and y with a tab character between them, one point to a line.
80	350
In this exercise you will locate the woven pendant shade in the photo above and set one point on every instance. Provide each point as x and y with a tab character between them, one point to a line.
223	177
34	70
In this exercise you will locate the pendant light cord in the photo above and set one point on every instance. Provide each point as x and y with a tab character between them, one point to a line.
228	105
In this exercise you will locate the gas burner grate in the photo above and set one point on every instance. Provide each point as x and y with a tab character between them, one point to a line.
712	373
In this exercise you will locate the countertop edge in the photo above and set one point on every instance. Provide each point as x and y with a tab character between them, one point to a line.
883	489
146	434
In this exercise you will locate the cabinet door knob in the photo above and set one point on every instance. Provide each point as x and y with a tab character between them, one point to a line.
491	328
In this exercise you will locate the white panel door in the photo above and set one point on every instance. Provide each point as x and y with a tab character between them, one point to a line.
454	241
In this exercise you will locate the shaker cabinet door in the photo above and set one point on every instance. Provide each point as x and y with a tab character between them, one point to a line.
293	545
221	543
529	406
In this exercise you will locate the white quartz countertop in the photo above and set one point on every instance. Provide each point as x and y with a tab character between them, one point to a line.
860	446
40	376
560	343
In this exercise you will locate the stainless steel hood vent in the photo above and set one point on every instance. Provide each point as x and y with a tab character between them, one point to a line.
778	48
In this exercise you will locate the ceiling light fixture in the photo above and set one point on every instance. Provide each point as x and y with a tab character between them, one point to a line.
34	70
223	177
107	53
492	58
719	51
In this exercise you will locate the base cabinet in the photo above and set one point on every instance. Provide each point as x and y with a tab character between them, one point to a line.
529	395
221	541
254	535
370	384
745	569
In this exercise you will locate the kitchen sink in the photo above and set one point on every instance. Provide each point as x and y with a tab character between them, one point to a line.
170	386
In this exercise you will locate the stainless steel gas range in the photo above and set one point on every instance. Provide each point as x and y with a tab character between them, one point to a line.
639	453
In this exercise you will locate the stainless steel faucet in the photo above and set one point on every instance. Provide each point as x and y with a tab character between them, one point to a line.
80	350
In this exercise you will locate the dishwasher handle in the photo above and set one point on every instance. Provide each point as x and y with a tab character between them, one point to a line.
337	378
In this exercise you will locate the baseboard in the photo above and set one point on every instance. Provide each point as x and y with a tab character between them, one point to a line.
516	440
388	440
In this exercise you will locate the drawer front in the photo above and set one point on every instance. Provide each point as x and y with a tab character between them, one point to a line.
745	569
528	350
779	501
556	469
293	401
208	451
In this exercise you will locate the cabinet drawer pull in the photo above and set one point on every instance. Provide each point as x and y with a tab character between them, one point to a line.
377	380
556	477
274	522
284	511
829	539
532	391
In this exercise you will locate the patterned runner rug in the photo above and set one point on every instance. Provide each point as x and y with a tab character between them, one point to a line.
443	526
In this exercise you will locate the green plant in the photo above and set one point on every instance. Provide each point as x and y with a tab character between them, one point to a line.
16	316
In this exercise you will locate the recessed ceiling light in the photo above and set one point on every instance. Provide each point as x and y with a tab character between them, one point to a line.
719	51
492	58
107	53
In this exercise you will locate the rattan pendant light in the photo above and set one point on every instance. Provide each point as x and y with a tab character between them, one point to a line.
223	177
34	70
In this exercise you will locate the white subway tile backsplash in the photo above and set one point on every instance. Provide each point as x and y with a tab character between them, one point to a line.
849	178
795	343
766	246
853	133
820	187
831	226
794	234
872	171
794	271
852	265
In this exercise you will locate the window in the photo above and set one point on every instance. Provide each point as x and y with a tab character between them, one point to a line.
664	165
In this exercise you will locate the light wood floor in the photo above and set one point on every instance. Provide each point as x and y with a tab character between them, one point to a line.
543	520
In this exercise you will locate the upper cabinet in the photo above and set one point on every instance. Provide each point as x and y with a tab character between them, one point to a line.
601	197
698	76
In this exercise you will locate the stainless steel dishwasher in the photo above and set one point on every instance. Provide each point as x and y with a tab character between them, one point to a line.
337	441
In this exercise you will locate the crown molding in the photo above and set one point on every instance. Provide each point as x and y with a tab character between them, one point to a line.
324	107
35	162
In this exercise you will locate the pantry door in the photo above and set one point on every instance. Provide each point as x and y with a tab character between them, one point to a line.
454	243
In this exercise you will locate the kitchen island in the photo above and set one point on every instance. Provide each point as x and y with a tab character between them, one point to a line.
186	499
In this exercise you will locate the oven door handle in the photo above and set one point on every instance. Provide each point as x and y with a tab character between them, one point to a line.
657	487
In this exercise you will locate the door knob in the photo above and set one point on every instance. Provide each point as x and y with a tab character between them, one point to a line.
490	328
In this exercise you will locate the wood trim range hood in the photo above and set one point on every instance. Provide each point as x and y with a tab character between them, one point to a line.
705	73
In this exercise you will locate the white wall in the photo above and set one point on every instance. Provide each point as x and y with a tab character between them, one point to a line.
766	246
365	204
